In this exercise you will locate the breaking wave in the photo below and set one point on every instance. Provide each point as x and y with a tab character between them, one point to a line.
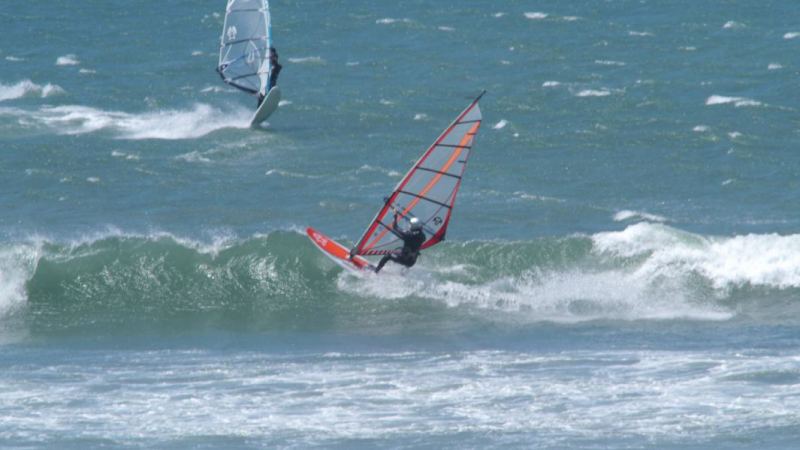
27	88
279	281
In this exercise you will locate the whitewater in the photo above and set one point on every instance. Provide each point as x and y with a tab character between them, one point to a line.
622	269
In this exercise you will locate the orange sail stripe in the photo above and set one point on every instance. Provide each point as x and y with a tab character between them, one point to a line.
464	142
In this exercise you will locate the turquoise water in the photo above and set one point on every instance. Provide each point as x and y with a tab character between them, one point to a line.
622	269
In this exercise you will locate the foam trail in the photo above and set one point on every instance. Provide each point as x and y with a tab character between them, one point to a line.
165	124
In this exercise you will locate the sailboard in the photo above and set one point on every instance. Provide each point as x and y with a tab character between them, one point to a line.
244	52
427	191
338	253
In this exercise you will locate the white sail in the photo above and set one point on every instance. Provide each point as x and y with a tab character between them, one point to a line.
244	46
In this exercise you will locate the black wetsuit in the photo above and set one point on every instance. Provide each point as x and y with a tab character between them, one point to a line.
273	74
412	241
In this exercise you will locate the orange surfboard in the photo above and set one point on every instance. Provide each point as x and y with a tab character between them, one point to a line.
339	253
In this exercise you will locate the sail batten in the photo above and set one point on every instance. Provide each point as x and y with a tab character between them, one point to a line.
244	45
428	191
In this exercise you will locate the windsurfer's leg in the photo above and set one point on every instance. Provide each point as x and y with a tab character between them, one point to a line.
383	262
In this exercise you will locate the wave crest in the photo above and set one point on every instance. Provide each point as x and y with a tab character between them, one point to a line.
646	271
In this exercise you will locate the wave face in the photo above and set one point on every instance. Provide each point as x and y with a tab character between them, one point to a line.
280	282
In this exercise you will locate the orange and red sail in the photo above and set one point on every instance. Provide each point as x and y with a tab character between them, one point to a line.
428	191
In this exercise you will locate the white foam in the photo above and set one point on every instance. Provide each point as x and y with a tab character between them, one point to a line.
51	89
14	58
86	71
123	155
700	128
536	15
202	119
289	174
529	398
307	60
214	89
768	260
606	62
593	93
626	214
774	66
498	14
734	135
500	125
570	18
389	21
688	49
197	53
542	198
27	88
420	116
17	264
369	168
67	60
352	63
732	24
385	102
446	28
571	296
284	102
551	84
640	33
194	157
736	101
93	179
792	35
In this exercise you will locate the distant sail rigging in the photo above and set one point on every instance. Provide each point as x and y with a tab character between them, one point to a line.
244	46
428	191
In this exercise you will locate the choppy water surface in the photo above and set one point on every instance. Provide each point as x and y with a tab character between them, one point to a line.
622	269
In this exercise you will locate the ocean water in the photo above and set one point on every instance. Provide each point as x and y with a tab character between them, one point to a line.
622	269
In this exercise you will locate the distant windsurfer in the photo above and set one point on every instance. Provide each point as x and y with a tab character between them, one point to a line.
412	241
275	69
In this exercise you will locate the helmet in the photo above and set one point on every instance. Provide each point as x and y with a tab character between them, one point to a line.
415	223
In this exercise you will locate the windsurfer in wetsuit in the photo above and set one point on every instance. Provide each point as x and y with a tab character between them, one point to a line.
412	241
275	69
